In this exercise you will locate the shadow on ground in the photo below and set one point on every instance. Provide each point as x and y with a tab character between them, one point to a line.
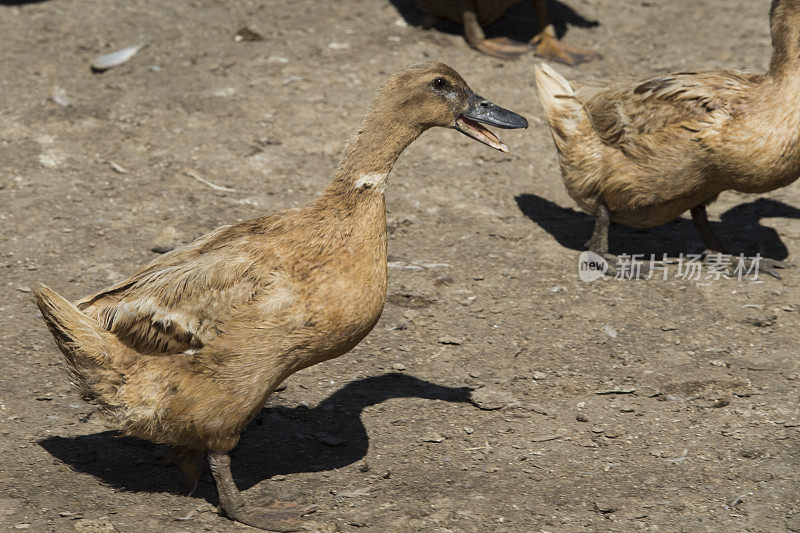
739	229
281	440
520	22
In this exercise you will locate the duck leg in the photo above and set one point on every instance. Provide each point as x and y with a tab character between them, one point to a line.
598	243
500	47
550	47
231	501
700	219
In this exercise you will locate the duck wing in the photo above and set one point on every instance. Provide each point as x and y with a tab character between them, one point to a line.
180	300
631	116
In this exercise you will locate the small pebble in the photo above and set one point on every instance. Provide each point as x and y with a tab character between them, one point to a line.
117	167
246	34
432	436
490	398
606	506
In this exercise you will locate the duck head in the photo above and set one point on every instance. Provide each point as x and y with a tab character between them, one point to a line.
433	94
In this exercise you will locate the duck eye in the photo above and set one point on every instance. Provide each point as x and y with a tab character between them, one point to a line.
440	83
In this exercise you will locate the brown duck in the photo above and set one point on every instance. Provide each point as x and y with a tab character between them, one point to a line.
475	15
188	349
643	152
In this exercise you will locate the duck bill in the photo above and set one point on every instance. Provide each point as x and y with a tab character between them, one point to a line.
482	111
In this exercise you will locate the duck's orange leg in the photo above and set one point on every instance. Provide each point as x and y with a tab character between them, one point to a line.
275	517
500	47
548	46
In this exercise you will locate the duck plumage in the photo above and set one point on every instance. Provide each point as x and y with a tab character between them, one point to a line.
649	150
187	350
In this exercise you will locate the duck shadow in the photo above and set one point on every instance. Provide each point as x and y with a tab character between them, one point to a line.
739	229
281	440
519	22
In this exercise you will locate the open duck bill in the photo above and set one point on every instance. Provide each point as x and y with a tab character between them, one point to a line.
483	111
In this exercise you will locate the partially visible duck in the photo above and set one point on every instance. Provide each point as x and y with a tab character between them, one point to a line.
641	152
475	15
189	348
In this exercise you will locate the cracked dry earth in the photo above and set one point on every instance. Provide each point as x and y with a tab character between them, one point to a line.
498	392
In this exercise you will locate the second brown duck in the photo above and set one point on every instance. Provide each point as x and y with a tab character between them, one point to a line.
642	152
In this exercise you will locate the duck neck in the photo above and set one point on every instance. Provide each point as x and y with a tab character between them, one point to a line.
369	157
785	31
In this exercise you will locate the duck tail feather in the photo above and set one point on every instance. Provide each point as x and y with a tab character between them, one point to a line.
85	345
556	95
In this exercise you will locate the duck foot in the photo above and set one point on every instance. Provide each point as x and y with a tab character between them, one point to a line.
500	47
549	47
744	266
503	48
768	266
736	266
276	516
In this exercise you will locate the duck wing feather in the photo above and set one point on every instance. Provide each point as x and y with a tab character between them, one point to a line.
631	116
182	299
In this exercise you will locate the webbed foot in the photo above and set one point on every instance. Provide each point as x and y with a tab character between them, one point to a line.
740	267
503	48
276	516
768	266
273	517
549	47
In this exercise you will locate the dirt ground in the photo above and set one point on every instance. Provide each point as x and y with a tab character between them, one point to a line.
498	392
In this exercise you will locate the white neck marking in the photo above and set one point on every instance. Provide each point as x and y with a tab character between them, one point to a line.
376	180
